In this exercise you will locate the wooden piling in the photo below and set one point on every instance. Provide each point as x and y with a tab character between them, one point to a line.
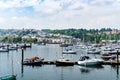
117	56
22	55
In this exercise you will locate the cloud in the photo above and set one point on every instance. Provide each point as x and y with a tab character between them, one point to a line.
2	20
52	13
48	7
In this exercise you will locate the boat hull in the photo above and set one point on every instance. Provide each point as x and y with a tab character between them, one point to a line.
64	63
94	52
69	52
9	77
90	62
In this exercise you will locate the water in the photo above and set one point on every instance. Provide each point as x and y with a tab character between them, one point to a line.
53	72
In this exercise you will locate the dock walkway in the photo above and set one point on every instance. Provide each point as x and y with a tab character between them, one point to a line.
111	62
54	62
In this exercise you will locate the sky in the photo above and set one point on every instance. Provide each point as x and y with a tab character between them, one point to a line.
59	14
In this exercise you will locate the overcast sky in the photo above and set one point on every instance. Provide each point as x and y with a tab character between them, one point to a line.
59	14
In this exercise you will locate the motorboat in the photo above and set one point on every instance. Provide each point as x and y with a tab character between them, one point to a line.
4	50
87	61
69	51
94	51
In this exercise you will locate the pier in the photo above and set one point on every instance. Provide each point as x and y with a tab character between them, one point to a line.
53	62
111	62
48	62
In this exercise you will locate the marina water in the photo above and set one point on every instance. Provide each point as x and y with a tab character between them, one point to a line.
53	72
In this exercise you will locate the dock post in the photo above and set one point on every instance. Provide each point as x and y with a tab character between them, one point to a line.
117	57
22	55
22	62
7	47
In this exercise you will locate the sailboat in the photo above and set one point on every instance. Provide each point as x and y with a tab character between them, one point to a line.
64	62
9	77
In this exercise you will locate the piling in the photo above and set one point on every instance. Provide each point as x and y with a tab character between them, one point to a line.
117	56
8	47
22	55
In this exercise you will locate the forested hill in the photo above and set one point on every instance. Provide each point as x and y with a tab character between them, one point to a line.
88	35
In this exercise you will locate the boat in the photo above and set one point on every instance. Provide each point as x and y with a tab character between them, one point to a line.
4	50
93	51
12	48
108	56
33	61
64	62
69	51
87	61
9	77
64	45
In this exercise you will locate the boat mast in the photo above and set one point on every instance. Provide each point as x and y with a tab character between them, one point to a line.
83	39
12	67
62	54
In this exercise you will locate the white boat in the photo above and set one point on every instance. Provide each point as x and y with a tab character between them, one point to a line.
87	61
69	51
4	50
94	51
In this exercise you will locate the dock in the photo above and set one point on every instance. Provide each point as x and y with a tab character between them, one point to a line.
111	62
53	62
45	62
48	61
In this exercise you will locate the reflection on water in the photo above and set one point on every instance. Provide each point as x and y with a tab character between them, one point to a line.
116	68
53	72
87	69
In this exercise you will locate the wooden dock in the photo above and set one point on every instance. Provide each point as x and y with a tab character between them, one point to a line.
48	62
54	62
111	62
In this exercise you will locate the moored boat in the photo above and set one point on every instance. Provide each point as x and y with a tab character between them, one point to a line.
64	62
63	45
108	56
9	77
87	61
94	52
4	50
69	51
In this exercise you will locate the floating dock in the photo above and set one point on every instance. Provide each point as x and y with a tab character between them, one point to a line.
54	62
111	62
48	62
